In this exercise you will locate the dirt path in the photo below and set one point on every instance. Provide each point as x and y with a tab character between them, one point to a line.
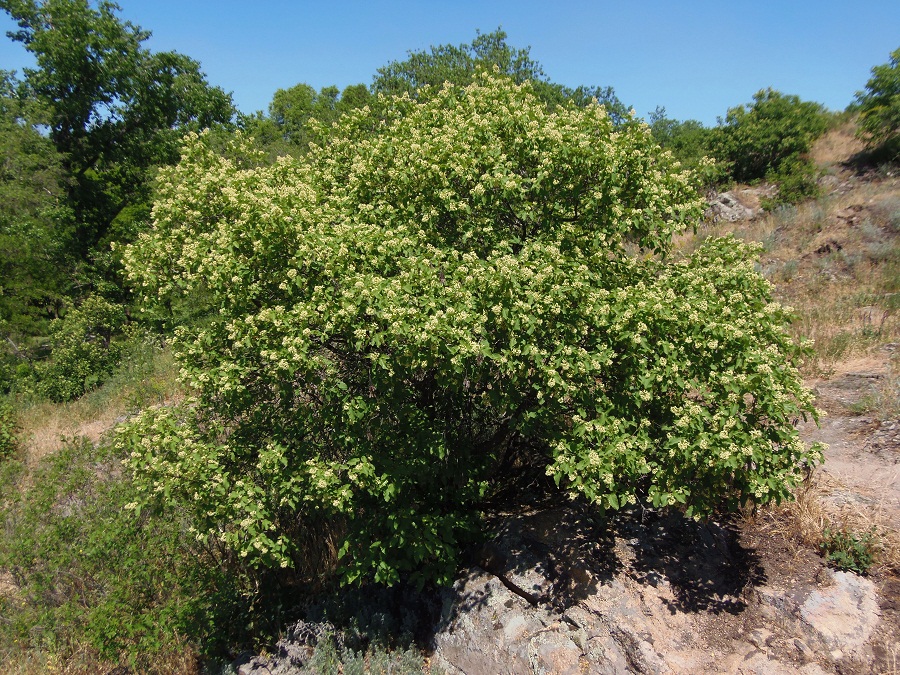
862	461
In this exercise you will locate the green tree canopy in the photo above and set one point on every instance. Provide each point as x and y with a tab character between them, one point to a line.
35	222
879	107
115	109
690	143
401	314
459	64
300	115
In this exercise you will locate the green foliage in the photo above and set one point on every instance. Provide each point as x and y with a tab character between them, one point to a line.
331	658
690	143
397	312
769	136
849	551
9	426
115	109
796	178
91	573
83	353
879	107
426	71
291	110
35	224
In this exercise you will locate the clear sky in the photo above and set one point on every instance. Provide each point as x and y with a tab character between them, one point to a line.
696	58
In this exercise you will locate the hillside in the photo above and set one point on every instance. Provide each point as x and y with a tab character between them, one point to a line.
559	586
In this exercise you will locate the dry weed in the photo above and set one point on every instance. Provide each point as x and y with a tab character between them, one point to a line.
802	520
82	660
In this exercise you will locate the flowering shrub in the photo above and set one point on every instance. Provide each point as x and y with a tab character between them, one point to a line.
431	286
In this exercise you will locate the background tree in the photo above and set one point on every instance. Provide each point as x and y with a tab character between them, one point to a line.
757	138
115	110
458	65
300	115
879	108
35	228
690	143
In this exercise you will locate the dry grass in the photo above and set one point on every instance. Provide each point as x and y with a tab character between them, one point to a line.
82	660
45	426
835	260
802	520
805	519
883	402
837	146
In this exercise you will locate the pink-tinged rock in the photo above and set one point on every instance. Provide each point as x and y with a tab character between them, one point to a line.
845	613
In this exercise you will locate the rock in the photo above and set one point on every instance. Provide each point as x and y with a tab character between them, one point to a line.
850	215
759	637
806	653
551	653
492	635
844	614
726	206
757	663
830	183
680	601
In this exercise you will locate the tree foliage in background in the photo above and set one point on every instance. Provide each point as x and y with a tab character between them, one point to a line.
690	143
115	109
289	125
879	107
35	230
400	313
765	138
429	70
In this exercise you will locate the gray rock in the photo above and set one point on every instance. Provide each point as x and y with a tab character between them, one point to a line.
726	206
552	653
844	614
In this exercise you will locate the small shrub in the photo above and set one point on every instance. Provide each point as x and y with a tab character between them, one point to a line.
796	179
848	551
757	139
329	658
83	353
879	109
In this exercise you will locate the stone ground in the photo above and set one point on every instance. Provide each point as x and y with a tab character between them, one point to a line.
560	591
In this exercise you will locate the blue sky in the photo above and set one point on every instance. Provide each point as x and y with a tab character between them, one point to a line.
695	58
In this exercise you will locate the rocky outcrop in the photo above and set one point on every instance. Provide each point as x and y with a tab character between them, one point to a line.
727	207
558	591
648	613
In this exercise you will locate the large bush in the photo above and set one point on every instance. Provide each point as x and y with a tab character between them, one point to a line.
879	107
764	138
399	313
